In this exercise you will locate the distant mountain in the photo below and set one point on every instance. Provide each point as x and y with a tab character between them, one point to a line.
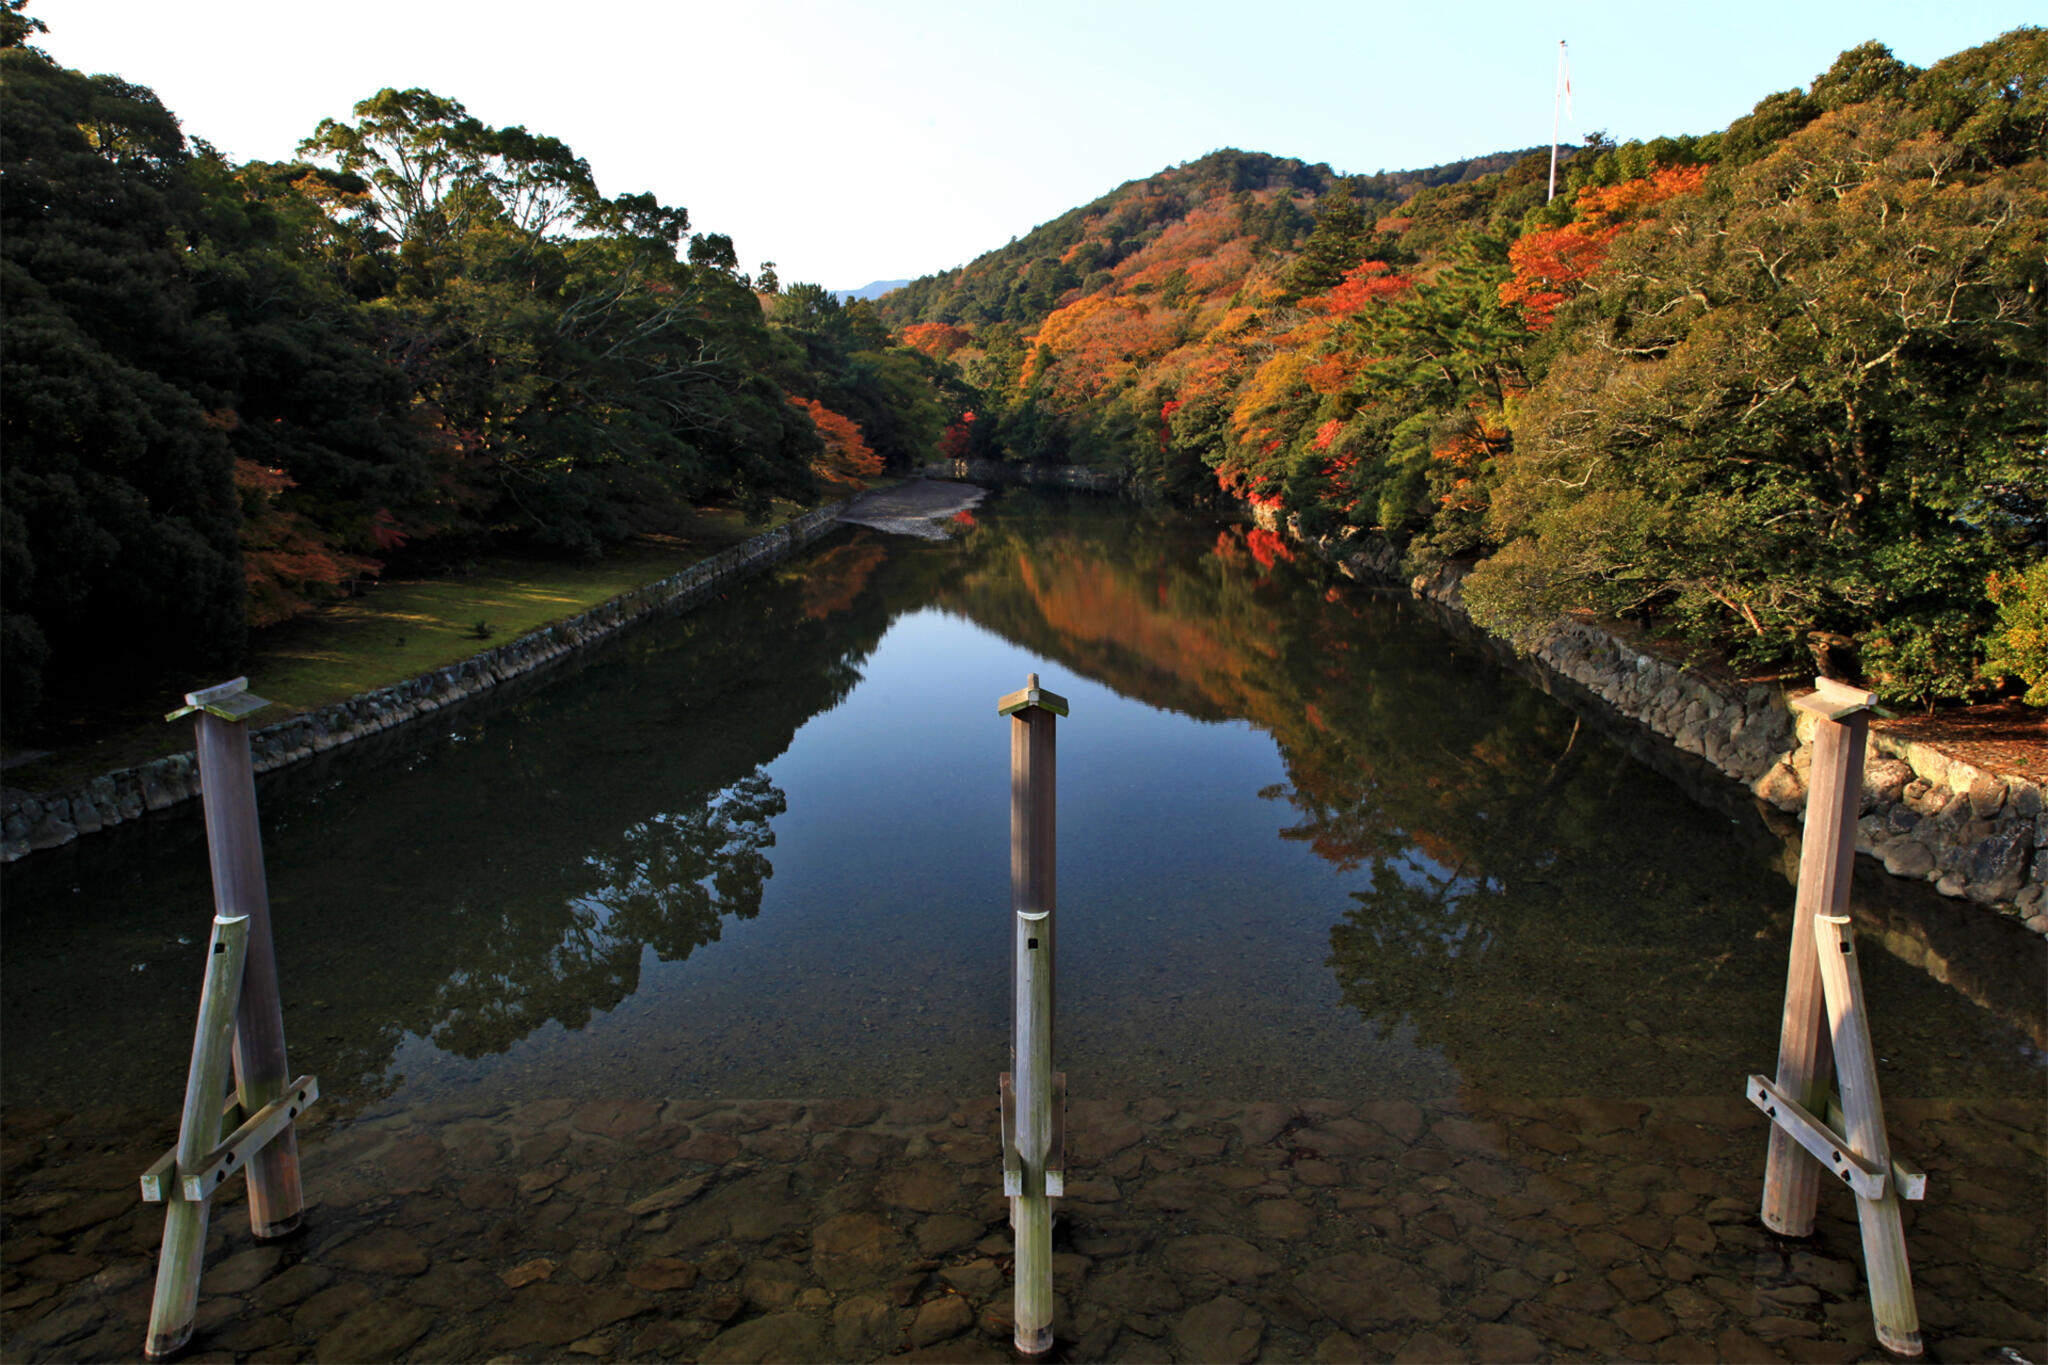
873	290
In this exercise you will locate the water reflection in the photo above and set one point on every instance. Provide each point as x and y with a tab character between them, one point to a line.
1536	906
1468	885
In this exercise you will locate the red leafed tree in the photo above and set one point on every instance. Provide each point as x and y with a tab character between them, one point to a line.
936	339
1363	283
1551	265
287	568
847	459
958	438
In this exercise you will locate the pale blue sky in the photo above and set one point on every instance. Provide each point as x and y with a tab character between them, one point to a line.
857	141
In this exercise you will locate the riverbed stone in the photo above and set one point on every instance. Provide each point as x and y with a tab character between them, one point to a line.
661	1274
377	1332
941	1318
490	1191
384	1251
769	1285
976	1279
855	1249
1223	1330
945	1233
547	1315
788	1336
1364	1291
927	1187
290	1286
669	1197
617	1119
456	1287
1218	1256
861	1326
323	1309
242	1272
1143	1290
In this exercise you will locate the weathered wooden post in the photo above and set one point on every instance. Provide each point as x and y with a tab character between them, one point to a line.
184	1248
1826	1029
1033	1095
235	845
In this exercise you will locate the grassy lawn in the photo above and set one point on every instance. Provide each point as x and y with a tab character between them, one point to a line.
398	629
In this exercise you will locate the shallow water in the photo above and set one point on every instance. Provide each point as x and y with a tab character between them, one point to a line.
1324	869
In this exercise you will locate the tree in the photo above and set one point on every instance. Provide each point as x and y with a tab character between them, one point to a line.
847	457
1809	400
16	26
119	536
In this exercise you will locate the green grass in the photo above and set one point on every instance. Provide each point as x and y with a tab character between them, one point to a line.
402	629
397	630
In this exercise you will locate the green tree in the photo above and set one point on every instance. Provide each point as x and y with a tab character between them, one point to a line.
1811	401
119	536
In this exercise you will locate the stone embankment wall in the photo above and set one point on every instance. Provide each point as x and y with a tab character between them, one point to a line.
1926	815
47	820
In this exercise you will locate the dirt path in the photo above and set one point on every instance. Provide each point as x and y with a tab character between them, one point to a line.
915	508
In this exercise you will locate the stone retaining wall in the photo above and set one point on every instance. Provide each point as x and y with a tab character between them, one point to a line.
1926	815
29	822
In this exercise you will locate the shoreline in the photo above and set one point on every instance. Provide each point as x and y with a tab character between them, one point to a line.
33	821
1927	815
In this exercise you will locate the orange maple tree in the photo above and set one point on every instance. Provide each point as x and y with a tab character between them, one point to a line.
936	339
848	459
1363	283
1551	265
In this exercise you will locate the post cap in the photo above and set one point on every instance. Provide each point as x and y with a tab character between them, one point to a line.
1032	695
1832	700
228	700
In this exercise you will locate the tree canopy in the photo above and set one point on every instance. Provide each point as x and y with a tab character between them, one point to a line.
236	391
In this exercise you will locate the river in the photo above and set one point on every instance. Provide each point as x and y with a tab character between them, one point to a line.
1402	1005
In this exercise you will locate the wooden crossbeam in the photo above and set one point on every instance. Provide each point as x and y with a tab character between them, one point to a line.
1817	1137
1828	1144
165	1180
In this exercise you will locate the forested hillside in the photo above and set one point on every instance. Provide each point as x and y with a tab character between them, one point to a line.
234	391
1778	388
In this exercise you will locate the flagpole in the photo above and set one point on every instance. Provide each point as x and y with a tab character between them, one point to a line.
1556	103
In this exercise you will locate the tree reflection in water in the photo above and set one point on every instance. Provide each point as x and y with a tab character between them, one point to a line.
666	883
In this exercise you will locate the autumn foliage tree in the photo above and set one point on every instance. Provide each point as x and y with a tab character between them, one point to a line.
846	458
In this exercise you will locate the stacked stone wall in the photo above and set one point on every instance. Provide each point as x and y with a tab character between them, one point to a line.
1926	815
32	821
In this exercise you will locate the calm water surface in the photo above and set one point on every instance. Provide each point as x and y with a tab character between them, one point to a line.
1312	848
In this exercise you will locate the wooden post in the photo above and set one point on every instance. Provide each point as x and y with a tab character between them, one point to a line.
1884	1231
1827	857
1033	1096
184	1249
1826	1028
235	845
